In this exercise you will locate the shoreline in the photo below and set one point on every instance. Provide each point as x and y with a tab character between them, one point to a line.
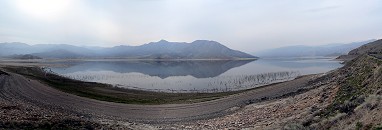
57	81
119	59
32	89
110	93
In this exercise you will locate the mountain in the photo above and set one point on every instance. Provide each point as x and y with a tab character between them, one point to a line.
24	57
311	51
61	54
372	48
7	49
15	48
199	49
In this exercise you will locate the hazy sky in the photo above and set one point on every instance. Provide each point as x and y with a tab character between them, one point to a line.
248	25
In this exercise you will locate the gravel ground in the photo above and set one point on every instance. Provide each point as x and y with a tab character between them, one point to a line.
285	113
27	103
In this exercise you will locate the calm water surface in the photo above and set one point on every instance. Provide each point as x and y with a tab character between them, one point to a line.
193	76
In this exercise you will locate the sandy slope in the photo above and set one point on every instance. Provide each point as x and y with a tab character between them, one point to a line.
17	87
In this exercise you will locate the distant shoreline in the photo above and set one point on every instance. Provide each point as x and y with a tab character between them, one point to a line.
141	106
123	59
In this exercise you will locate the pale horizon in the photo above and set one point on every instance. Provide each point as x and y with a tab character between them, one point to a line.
248	26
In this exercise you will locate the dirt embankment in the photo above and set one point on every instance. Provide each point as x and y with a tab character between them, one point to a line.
17	88
24	105
348	98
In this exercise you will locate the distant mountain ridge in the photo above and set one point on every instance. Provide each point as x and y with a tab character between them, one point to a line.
328	50
24	57
161	69
199	49
373	48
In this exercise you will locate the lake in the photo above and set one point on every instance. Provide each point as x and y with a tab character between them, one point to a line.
193	76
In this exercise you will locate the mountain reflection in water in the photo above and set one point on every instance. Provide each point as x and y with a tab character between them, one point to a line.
192	76
162	69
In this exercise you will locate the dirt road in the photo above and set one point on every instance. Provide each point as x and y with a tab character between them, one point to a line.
17	87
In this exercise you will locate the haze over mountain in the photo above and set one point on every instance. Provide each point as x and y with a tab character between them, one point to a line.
246	25
311	51
199	49
373	48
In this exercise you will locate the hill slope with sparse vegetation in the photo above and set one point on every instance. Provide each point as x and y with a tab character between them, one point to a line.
357	103
372	48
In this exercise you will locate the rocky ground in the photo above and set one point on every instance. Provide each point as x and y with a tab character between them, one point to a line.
349	98
287	113
21	113
264	115
17	115
30	91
